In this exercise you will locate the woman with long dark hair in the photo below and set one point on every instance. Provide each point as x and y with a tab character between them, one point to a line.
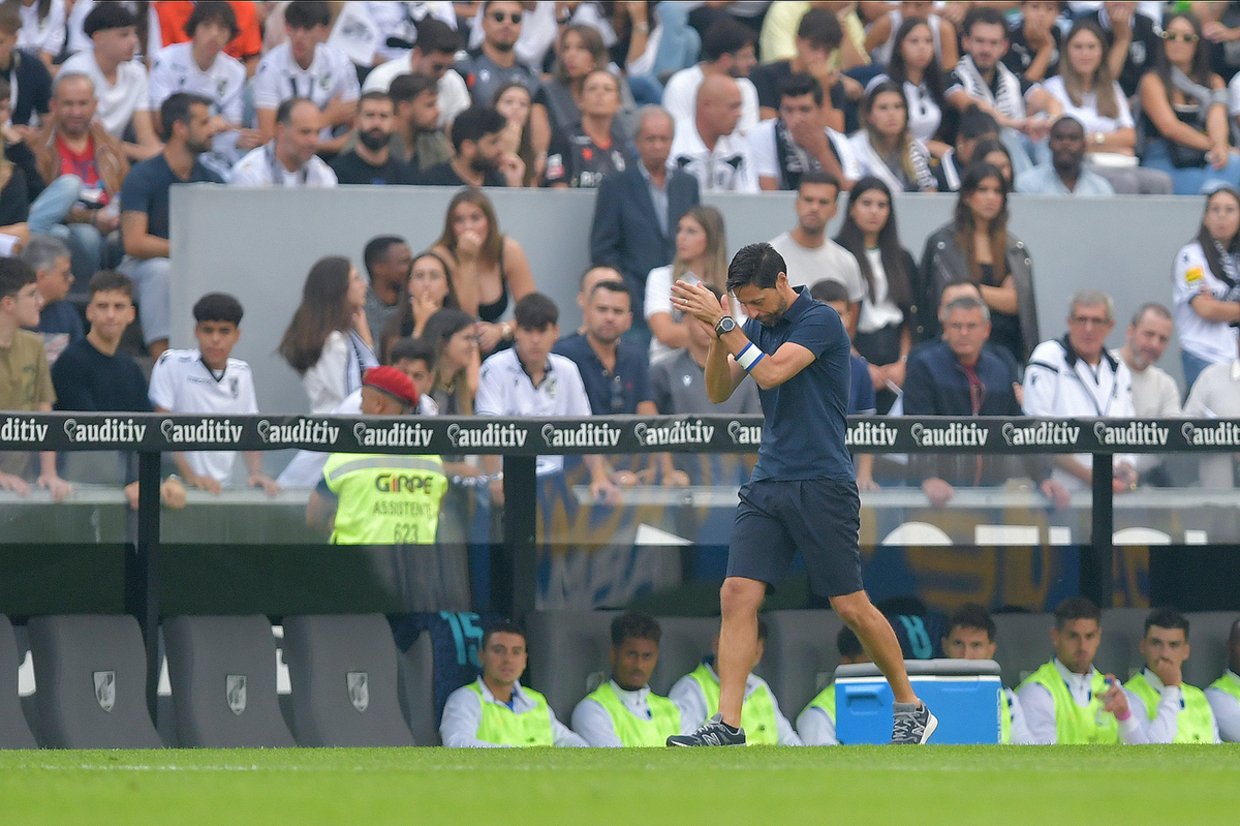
886	317
488	270
455	382
977	246
915	69
513	101
884	146
328	341
426	291
1184	112
1207	287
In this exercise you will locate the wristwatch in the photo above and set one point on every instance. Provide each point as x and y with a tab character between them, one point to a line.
725	325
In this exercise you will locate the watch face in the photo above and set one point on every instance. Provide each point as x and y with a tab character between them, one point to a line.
726	324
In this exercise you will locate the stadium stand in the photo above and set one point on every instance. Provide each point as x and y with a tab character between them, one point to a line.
90	670
223	676
343	673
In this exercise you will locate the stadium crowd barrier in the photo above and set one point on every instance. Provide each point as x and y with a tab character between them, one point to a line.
519	441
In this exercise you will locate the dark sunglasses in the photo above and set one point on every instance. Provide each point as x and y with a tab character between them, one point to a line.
500	17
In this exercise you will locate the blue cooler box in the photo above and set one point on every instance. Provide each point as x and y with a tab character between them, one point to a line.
963	694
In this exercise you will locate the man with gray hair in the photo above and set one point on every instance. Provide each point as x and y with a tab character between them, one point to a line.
1155	395
638	210
959	376
1075	377
60	323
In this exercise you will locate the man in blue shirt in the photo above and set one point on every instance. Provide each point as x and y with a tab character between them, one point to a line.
1067	173
145	197
801	495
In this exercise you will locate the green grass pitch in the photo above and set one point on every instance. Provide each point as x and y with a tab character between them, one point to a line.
756	786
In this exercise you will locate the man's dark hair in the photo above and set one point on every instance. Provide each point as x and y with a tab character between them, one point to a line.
218	307
406	88
1068	120
986	15
14	274
213	11
377	249
501	627
758	264
535	311
821	28
611	285
847	644
828	290
799	84
412	349
632	624
306	14
1076	608
819	176
475	123
375	94
284	112
726	36
106	16
106	281
436	36
974	123
972	615
176	109
1166	618
10	18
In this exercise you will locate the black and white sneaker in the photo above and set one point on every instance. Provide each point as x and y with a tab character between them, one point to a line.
912	725
714	732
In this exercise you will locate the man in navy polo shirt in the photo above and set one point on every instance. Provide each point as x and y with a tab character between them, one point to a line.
802	494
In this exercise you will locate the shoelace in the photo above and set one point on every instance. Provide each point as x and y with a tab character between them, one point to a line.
906	725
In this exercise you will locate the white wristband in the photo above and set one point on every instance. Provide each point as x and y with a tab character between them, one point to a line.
749	356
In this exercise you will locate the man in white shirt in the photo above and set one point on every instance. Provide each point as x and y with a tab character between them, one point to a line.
124	100
1216	395
697	695
1224	693
1155	394
305	66
799	140
1172	711
433	56
1067	700
491	712
1075	377
200	66
624	712
809	254
288	159
530	380
709	146
728	51
207	379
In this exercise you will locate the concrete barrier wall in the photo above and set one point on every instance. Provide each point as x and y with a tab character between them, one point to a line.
259	245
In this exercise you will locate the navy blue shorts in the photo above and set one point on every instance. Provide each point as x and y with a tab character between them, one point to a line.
819	517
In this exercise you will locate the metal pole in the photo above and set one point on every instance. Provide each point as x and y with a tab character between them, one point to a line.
143	576
1097	567
516	597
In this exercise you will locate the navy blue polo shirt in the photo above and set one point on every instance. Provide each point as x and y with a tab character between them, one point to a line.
803	419
616	392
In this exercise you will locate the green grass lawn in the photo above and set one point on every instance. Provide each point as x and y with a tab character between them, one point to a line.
1168	785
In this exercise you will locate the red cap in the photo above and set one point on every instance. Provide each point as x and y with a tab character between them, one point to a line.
393	382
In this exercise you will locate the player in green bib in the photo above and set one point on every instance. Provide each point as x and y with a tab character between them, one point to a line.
1224	693
697	695
624	711
495	710
1067	700
971	636
816	722
1175	712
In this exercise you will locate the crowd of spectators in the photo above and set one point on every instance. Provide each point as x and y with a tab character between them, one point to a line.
652	106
